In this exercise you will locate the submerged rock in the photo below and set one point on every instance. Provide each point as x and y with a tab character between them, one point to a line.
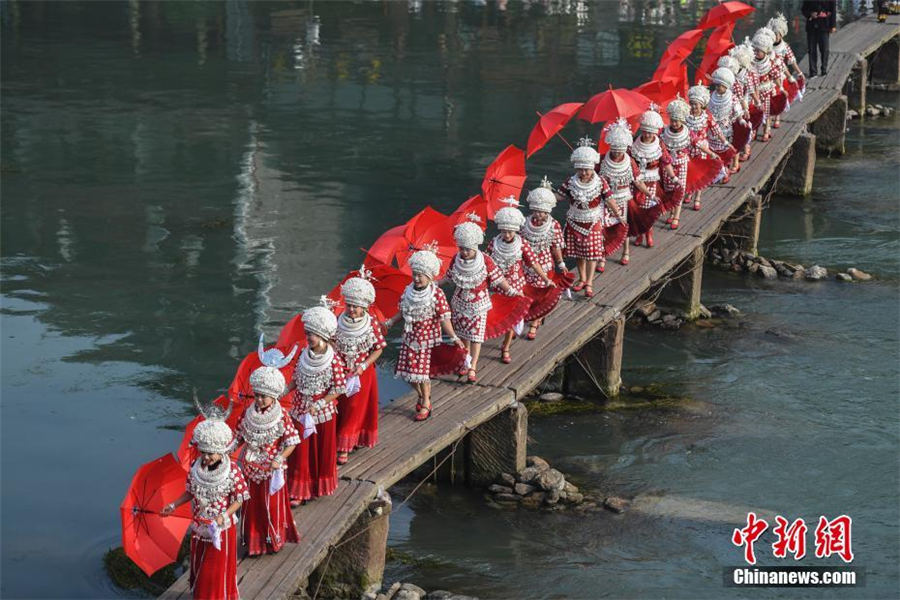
767	272
616	504
816	273
858	275
551	397
843	277
724	310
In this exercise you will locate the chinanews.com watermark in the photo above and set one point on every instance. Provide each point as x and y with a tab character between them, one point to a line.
831	537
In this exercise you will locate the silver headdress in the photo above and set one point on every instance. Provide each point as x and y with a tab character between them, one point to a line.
509	218
468	235
542	197
267	381
678	109
273	357
585	156
743	53
778	24
699	94
213	435
618	135
320	320
359	291
651	120
763	39
728	61
426	262
723	76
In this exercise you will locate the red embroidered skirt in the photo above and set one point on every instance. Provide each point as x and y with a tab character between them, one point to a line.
266	521
588	247
312	467
214	572
357	419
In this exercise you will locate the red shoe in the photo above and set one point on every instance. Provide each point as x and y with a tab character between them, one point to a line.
626	258
697	205
638	240
588	291
505	358
532	333
462	371
601	267
674	224
668	219
727	177
575	288
776	124
420	416
736	169
649	239
342	458
473	376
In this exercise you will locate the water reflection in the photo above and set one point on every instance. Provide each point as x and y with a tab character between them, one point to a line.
178	175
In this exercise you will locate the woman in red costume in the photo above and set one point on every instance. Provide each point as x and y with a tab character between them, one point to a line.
216	490
269	438
703	129
653	161
544	234
359	342
319	378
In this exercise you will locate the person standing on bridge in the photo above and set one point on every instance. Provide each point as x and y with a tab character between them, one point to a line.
703	129
653	161
586	193
360	342
779	26
269	438
319	379
622	175
745	87
726	110
769	73
544	234
425	311
821	22
473	273
513	255
677	138
216	489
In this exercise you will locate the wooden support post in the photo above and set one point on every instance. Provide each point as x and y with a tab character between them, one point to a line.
829	128
741	230
886	62
683	291
797	176
596	367
497	446
356	566
855	88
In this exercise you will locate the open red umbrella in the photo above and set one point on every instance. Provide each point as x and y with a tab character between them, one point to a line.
612	104
150	540
476	205
424	228
503	177
386	245
718	44
726	12
549	124
659	91
292	333
680	48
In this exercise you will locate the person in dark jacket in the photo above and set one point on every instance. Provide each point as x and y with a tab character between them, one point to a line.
821	22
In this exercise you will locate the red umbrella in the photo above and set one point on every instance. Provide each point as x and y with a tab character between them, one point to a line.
612	104
389	283
503	177
150	540
680	48
719	43
658	91
476	205
386	245
292	333
399	243
727	12
549	124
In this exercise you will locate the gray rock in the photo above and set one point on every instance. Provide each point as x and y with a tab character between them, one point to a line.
507	480
843	277
576	498
523	489
654	316
763	261
704	313
737	268
551	479
528	474
753	268
533	501
858	275
799	274
496	488
537	462
439	595
570	489
816	273
616	504
852	114
393	589
724	310
406	595
506	498
672	325
552	497
382	597
669	318
551	397
888	111
767	272
646	309
411	587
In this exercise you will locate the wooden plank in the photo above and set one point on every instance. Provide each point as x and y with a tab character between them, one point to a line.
815	102
865	35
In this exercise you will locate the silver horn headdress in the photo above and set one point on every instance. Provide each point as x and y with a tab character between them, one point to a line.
213	435
273	357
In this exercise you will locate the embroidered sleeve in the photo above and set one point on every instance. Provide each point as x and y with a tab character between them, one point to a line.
290	437
789	57
635	169
605	190
493	271
714	126
665	158
490	247
558	239
379	337
528	255
240	493
441	306
338	376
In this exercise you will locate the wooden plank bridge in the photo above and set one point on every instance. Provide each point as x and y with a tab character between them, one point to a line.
487	417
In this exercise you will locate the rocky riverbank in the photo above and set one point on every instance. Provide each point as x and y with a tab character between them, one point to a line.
742	261
410	591
872	110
